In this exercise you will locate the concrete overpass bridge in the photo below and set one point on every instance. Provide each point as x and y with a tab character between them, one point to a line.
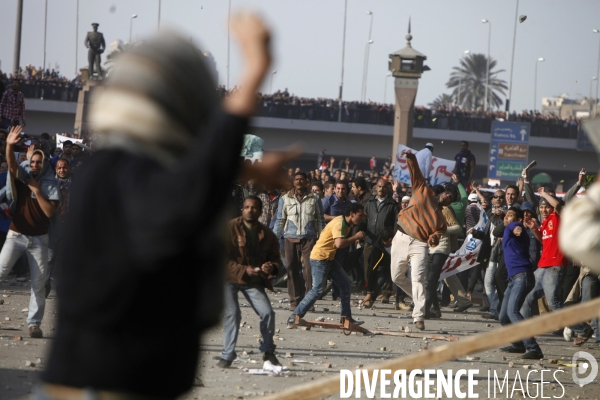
557	157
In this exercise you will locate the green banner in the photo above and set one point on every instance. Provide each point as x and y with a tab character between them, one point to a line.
507	169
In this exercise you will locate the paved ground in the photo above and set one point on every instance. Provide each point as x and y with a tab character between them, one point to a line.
326	351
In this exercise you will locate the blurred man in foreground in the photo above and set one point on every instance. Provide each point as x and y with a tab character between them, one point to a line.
140	209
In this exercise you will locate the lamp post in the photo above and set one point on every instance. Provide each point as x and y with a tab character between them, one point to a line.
19	25
539	60
159	7
134	16
597	75
45	30
460	83
385	86
366	65
487	68
343	53
512	60
592	103
271	84
76	36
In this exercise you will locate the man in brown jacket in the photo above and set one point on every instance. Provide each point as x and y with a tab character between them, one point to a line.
252	261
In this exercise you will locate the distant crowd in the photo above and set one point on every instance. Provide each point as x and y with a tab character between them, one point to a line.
37	83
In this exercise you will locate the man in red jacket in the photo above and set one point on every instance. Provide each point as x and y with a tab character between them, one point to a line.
252	261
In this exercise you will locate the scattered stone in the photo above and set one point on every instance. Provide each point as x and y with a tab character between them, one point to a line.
551	361
511	364
242	324
383	348
489	325
473	358
280	338
504	358
25	310
29	364
305	328
325	309
321	319
1	301
326	365
289	354
407	329
359	366
17	338
6	318
526	366
277	330
332	344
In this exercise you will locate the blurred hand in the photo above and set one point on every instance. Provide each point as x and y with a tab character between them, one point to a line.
267	267
433	241
269	173
581	177
454	178
252	271
517	231
360	236
30	151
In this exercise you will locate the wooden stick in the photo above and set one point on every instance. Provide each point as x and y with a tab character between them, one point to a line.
508	334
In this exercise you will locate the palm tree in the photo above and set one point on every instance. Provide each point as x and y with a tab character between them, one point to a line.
470	75
442	100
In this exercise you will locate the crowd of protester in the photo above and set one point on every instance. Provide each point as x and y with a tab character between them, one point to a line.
362	228
37	83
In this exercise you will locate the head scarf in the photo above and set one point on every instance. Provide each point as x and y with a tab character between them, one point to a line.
157	99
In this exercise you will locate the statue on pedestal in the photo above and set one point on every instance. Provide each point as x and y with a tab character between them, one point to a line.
94	41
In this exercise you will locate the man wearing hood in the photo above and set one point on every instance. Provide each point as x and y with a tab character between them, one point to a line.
140	210
35	197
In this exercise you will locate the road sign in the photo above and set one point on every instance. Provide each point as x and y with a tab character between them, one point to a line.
509	149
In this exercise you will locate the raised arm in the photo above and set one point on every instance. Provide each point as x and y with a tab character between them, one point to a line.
253	39
14	136
416	177
575	188
551	200
529	193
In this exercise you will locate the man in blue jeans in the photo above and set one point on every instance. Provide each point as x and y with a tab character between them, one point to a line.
552	263
252	261
322	264
515	243
34	197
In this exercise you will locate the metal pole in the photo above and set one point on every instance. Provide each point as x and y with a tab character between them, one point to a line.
535	87
17	54
487	72
76	37
159	1
592	103
459	89
366	64
512	60
228	32
343	53
45	30
597	82
385	88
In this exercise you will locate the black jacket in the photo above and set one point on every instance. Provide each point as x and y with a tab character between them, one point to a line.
381	216
141	242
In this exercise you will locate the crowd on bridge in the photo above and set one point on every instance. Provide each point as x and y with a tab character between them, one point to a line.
39	83
282	104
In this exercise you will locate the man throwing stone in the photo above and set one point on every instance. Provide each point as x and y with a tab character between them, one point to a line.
252	261
420	225
333	237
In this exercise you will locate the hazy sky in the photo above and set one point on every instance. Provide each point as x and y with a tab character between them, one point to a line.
308	39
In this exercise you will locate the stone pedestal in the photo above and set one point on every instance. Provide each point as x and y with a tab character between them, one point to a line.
405	90
82	121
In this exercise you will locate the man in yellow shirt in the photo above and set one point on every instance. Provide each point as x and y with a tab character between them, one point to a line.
333	237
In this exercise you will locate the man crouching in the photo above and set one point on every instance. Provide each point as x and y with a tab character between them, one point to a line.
252	261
